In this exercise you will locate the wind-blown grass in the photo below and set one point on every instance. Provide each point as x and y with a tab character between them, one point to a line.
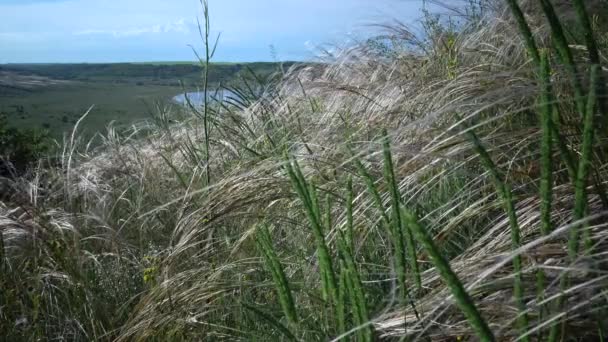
337	200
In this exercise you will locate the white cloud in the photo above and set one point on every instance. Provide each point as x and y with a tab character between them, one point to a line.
178	26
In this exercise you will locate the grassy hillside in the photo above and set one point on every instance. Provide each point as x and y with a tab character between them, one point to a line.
443	187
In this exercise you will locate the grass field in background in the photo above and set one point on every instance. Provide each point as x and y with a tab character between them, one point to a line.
58	108
121	92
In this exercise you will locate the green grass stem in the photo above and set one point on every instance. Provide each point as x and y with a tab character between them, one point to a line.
357	295
264	242
584	166
463	300
308	196
565	53
350	234
505	194
398	226
524	28
546	161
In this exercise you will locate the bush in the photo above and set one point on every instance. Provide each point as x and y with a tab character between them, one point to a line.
20	148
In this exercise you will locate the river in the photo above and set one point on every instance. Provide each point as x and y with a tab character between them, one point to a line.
197	97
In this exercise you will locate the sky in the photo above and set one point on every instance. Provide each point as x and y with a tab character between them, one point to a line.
74	31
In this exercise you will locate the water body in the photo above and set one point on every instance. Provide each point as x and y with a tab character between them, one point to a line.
197	97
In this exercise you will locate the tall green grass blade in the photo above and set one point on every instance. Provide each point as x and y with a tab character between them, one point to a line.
546	178
594	56
357	295
411	247
583	20
565	53
205	36
264	241
398	259
580	195
546	162
504	192
341	304
525	31
371	188
350	235
308	196
533	51
463	300
398	226
328	220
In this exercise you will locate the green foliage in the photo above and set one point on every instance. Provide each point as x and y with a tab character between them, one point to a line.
463	299
122	93
308	195
400	231
264	242
20	148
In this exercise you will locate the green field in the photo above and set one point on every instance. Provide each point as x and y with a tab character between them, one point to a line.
58	108
54	96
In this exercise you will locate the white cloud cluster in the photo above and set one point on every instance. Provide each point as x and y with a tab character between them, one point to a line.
179	26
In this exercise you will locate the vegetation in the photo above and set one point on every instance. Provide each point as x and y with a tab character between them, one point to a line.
449	186
19	148
54	96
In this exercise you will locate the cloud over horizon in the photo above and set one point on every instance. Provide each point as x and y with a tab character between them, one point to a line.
178	26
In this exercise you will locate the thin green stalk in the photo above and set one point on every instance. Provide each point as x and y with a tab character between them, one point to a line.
546	162
264	242
524	28
371	188
325	262
583	20
533	50
341	305
308	196
546	177
207	64
411	247
584	165
567	59
594	55
398	255
580	195
463	300
504	192
328	220
360	312
398	225
350	235
398	260
561	43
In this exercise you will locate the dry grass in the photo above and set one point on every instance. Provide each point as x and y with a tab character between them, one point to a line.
130	243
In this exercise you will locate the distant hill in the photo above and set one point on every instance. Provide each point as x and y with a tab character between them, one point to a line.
162	73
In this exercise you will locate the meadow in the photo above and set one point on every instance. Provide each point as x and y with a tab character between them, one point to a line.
124	93
443	186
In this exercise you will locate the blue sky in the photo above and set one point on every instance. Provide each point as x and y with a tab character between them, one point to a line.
161	30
